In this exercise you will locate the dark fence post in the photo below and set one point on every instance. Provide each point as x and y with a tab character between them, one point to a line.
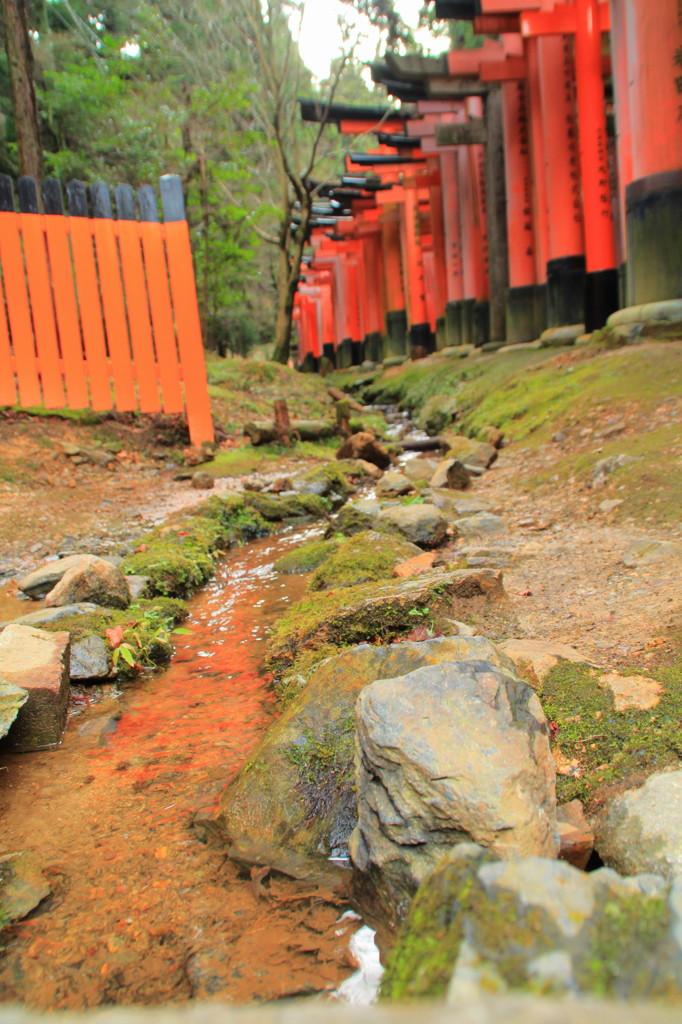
172	198
6	194
125	202
78	199
149	207
53	201
100	197
28	195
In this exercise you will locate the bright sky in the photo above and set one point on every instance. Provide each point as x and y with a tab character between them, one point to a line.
320	38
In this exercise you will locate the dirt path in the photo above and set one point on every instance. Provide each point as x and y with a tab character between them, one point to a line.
566	579
141	911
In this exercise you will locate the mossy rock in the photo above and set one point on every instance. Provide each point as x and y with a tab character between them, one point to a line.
536	926
362	558
437	414
277	507
306	557
323	480
295	793
387	609
354	519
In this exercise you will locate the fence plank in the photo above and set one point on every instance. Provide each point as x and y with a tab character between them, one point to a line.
88	297
138	315
160	301
190	341
113	302
40	292
8	391
19	311
66	310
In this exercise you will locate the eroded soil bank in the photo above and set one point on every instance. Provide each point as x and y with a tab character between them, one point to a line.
141	911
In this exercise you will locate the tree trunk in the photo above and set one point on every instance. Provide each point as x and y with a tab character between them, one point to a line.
290	276
20	61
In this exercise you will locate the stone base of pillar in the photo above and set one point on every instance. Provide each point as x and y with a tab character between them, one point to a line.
481	323
453	324
468	329
441	334
521	314
540	309
395	343
566	291
422	341
310	364
344	354
357	352
371	348
329	352
653	217
601	298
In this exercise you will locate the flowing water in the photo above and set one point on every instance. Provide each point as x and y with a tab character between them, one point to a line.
141	911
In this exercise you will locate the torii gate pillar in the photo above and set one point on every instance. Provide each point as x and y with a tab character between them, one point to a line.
653	193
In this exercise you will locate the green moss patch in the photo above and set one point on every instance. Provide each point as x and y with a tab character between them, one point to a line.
324	762
306	557
181	555
362	558
609	746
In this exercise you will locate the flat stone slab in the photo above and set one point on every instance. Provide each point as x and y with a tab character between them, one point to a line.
89	658
650	552
482	524
535	659
38	662
45	616
632	691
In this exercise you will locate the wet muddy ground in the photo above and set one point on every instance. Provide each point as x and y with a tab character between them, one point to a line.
141	911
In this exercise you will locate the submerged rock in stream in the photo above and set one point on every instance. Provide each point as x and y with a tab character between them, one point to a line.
296	792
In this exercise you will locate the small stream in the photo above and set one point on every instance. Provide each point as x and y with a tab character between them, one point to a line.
140	911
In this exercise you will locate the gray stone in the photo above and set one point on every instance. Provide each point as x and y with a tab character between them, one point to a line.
541	926
649	552
605	467
424	525
455	504
89	658
447	755
12	698
451	474
641	830
555	337
420	471
38	662
91	579
22	885
470	451
202	481
393	483
46	616
482	524
39	582
136	586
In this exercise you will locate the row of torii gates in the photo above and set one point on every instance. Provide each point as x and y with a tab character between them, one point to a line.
532	183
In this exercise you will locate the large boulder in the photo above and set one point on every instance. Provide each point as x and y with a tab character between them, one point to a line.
12	698
91	579
364	446
641	830
538	926
445	755
38	662
424	525
296	792
41	581
420	471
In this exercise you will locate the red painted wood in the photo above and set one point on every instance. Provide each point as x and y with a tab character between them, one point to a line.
44	325
519	187
66	310
19	310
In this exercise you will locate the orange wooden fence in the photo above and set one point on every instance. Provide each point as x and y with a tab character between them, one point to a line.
96	312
